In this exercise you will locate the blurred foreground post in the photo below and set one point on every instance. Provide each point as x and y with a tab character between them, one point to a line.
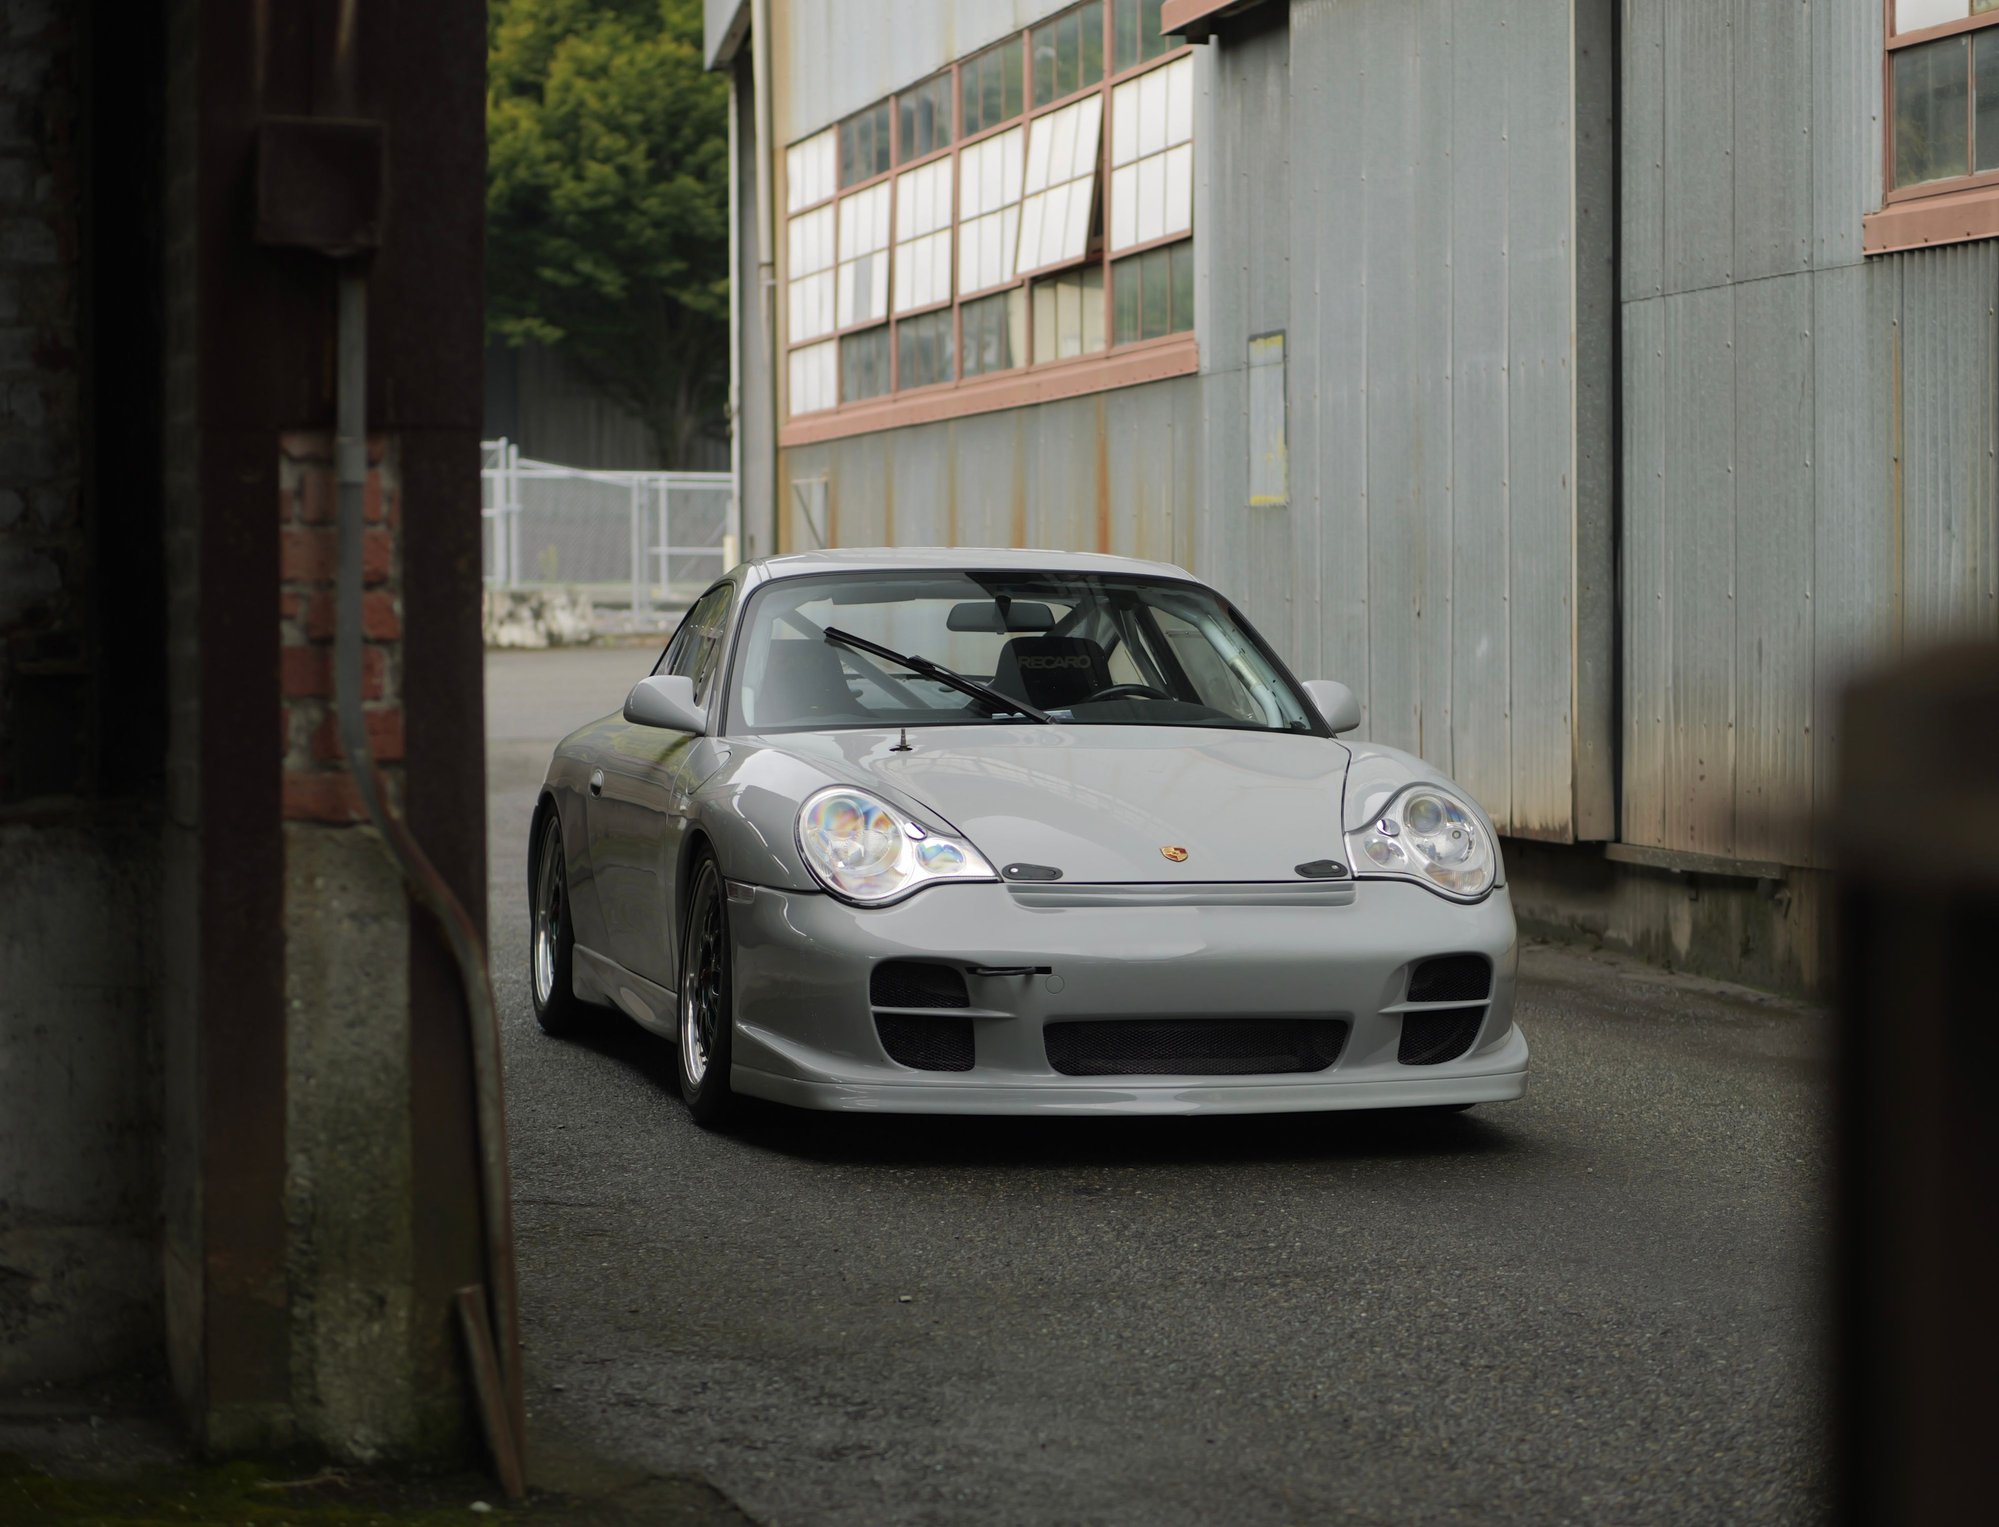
1917	1360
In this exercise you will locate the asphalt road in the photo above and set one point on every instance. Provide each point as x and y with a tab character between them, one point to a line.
1597	1305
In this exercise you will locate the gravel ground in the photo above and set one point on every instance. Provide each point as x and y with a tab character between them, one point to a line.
1598	1305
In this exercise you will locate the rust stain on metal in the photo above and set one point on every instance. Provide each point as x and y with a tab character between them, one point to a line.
1019	531
888	490
1895	492
1103	477
951	485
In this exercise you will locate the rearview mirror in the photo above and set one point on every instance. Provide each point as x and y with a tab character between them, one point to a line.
665	700
1336	703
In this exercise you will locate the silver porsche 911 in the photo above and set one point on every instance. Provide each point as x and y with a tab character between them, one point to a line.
1016	832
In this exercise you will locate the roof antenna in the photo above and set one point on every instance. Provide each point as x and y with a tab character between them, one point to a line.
903	746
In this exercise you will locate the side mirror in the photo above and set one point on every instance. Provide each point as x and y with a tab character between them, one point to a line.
1336	703
665	700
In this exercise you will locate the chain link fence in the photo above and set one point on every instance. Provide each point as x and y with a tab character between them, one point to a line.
642	540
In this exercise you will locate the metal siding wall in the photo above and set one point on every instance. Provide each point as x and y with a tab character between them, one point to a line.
1773	605
1698	150
1644	113
1243	228
1772	138
1648	614
1855	337
1845	125
1026	477
1950	412
1394	681
1699	385
1541	416
1430	554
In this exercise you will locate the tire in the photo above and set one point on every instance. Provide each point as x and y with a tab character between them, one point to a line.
552	940
705	1032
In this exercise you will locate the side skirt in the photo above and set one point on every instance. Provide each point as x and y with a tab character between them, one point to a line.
597	977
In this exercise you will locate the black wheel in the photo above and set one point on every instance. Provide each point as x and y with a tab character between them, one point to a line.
552	941
707	999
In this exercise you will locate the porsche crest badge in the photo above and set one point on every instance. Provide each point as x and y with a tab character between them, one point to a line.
1175	852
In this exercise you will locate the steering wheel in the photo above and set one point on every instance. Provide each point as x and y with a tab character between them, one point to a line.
1120	691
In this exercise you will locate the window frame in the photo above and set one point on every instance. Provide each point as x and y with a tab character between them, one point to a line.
1031	379
1931	212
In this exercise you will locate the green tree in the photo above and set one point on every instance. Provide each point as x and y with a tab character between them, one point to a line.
607	193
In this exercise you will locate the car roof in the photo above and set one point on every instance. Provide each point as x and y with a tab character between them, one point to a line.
882	559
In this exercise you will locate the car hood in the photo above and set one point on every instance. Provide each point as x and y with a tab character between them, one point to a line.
1102	804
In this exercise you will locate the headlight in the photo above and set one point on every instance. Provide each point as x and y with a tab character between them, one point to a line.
1426	833
864	852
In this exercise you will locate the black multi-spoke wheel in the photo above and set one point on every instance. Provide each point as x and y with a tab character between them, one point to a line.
552	941
706	998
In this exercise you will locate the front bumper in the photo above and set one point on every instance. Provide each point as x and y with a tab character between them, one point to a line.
806	1035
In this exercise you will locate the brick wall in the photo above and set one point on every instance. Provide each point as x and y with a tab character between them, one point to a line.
317	786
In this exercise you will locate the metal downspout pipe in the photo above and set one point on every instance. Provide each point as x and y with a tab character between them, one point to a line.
490	1317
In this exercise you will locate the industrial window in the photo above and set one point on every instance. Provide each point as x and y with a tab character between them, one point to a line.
923	123
925	348
1069	53
974	225
992	88
996	333
864	365
923	237
1140	37
864	145
1943	123
1155	293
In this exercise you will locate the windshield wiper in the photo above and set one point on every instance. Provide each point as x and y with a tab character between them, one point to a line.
998	699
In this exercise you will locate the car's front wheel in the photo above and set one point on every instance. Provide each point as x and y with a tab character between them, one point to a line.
552	941
707	995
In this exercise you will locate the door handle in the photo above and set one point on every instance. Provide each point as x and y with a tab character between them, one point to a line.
596	781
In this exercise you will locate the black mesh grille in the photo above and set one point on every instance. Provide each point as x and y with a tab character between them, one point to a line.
926	1044
1454	978
1430	1039
1194	1046
903	983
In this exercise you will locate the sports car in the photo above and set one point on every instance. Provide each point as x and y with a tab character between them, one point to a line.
962	831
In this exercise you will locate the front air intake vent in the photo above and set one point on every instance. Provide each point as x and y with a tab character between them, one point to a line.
906	983
1453	978
1195	1046
926	1044
1430	1039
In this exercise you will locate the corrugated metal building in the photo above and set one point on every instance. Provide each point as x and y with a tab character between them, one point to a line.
1592	384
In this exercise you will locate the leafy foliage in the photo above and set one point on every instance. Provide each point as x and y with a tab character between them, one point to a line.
607	201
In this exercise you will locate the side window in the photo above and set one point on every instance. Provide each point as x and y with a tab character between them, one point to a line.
696	651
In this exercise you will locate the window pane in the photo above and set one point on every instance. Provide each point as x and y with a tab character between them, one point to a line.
1987	94
926	117
996	333
1183	287
1013	69
1127	277
864	145
813	379
1156	306
1911	15
864	365
1069	52
925	350
1931	121
1139	38
1069	315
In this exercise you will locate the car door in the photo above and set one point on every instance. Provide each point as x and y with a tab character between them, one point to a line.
637	803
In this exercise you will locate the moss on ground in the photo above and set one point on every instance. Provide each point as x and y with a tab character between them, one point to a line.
231	1494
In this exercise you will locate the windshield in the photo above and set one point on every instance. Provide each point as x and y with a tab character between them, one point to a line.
1087	649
